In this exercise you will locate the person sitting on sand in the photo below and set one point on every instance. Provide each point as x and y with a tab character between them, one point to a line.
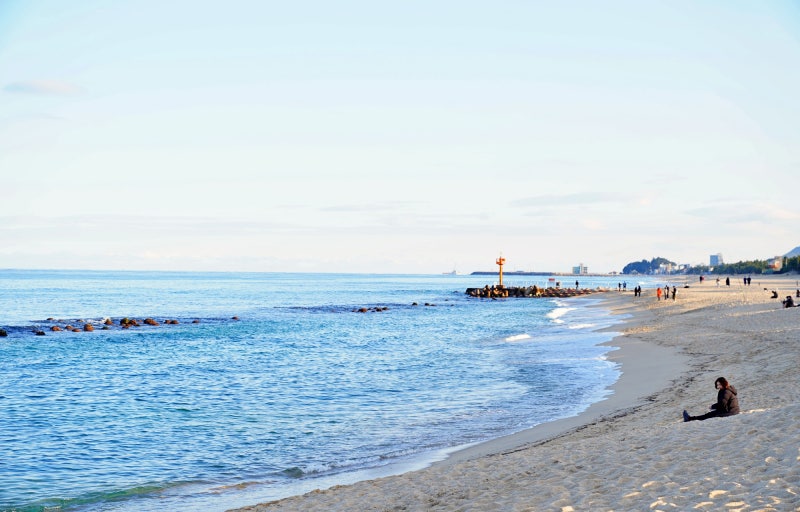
789	302
727	402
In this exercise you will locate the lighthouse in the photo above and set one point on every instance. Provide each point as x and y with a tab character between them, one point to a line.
500	262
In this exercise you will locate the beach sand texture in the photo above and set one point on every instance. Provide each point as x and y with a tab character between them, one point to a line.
634	452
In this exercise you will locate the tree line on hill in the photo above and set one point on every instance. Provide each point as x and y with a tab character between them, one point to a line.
790	264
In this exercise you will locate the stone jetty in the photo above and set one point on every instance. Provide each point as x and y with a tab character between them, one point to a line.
496	292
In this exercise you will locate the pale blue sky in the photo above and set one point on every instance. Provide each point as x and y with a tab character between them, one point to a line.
414	137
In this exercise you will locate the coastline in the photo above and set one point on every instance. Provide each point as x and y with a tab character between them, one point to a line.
632	450
646	368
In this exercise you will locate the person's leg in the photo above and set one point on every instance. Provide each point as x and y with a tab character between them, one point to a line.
687	417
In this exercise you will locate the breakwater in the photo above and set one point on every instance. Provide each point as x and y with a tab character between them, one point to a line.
531	273
496	292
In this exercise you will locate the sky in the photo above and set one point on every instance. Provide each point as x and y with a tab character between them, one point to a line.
396	137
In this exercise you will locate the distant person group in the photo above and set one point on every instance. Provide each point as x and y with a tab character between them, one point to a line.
788	302
665	292
747	281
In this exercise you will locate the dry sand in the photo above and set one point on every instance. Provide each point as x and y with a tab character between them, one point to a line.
633	451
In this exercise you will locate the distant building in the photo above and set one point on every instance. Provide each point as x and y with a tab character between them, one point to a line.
715	259
665	268
580	269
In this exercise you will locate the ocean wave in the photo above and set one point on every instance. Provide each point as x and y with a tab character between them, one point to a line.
518	337
557	313
582	326
92	498
293	472
317	469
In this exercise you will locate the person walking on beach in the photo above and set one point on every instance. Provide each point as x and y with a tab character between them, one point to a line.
674	291
658	293
727	402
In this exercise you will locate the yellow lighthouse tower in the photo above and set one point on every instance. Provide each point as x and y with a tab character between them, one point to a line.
500	262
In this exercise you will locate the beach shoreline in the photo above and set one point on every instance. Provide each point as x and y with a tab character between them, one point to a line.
620	349
632	451
645	369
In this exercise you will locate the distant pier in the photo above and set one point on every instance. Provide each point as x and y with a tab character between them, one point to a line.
497	292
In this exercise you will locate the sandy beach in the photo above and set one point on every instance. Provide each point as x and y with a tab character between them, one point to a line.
633	451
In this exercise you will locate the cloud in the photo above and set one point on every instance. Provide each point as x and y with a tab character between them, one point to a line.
663	179
581	199
137	225
390	206
43	87
744	212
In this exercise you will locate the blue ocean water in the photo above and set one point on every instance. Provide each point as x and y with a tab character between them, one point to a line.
300	391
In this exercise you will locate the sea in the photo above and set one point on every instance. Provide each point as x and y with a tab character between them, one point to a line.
251	387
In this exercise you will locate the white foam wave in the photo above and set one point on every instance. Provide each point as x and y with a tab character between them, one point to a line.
518	337
582	326
558	313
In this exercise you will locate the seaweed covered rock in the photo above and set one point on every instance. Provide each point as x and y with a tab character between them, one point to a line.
129	322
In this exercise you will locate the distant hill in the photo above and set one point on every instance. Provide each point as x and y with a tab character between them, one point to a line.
794	252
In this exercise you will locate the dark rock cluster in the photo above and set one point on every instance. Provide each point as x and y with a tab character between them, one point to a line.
78	325
493	292
374	309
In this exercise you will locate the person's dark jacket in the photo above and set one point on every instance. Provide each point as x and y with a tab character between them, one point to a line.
727	402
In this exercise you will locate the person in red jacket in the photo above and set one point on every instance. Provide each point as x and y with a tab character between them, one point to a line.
727	402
